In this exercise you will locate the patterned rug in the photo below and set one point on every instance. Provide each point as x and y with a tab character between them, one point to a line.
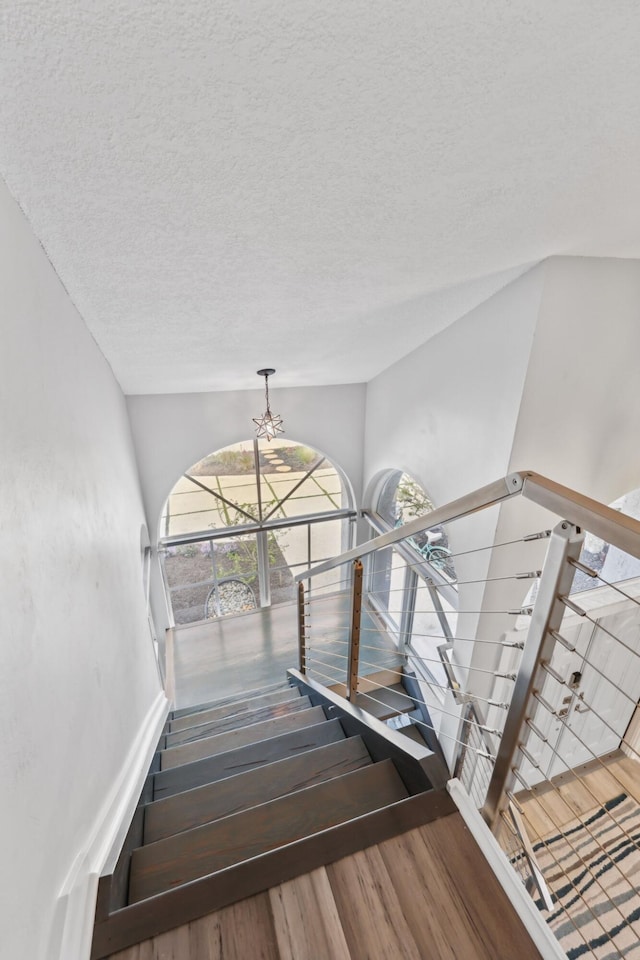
592	869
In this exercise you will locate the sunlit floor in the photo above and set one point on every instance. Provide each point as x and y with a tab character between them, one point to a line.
548	808
585	833
217	658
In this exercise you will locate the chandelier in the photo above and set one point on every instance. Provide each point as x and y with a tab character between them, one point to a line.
269	425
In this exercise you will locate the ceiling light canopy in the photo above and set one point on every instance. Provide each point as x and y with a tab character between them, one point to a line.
269	425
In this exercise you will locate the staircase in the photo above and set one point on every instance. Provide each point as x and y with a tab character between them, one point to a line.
248	792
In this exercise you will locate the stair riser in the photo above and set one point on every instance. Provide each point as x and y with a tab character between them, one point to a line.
205	804
418	766
236	707
196	853
211	769
235	721
225	701
223	742
150	918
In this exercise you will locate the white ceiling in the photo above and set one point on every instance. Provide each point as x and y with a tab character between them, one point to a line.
228	184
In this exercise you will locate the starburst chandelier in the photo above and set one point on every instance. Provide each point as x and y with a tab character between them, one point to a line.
269	425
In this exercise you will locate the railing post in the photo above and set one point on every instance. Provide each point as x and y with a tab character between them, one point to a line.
301	629
354	635
557	576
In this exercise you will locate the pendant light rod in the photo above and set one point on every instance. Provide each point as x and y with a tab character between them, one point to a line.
269	425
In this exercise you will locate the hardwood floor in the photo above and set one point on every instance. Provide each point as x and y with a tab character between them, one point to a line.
547	808
426	894
218	658
584	833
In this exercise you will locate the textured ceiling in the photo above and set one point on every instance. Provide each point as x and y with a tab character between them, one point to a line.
315	186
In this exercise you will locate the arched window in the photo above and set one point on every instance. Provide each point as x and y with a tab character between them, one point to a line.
401	499
412	585
241	522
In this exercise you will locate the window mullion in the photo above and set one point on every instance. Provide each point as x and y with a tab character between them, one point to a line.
264	573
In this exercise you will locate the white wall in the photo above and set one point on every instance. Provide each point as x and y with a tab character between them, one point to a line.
579	412
580	407
447	414
542	376
78	678
173	431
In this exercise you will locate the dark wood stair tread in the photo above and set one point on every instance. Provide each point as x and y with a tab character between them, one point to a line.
236	720
232	698
184	811
223	742
229	709
204	850
179	779
385	702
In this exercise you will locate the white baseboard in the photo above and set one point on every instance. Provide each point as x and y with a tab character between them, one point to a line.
522	903
72	929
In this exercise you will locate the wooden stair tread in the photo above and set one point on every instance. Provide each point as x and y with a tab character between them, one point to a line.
370	682
407	896
236	720
385	702
223	742
232	698
204	850
230	709
184	811
210	769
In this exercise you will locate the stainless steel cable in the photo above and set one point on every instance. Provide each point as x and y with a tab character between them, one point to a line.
442	561
327	653
583	613
563	720
493	673
341	581
438	686
531	575
516	645
597	802
325	639
430	707
597	576
520	612
535	833
587	869
559	680
421	723
572	649
323	675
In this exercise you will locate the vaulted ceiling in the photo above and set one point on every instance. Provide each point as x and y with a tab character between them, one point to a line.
319	187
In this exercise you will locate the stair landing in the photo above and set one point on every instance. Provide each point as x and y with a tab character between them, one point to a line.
218	658
426	893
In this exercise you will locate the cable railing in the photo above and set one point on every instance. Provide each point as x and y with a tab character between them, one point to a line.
528	666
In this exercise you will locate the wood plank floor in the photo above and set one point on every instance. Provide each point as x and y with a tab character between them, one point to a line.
590	866
426	894
218	658
550	807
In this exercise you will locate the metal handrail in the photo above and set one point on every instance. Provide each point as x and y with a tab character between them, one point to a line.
480	499
574	515
616	528
241	529
577	513
604	522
